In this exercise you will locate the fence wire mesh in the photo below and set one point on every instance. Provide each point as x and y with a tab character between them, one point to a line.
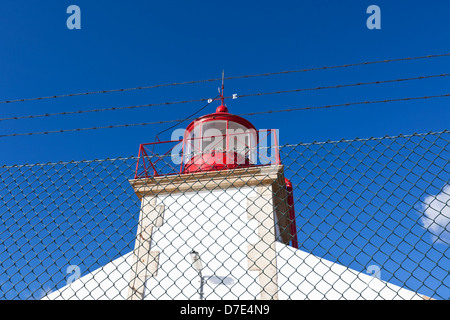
371	221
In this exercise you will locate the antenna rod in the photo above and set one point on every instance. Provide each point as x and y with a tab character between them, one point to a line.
221	95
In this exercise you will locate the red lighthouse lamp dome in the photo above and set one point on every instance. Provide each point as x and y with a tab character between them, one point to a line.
218	141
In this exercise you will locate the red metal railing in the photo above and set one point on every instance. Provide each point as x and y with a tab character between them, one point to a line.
157	158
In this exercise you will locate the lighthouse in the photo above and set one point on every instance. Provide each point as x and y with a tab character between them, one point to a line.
225	203
217	221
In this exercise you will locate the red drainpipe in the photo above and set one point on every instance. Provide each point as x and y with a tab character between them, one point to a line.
293	225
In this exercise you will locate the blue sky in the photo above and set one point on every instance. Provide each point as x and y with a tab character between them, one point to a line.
155	42
122	45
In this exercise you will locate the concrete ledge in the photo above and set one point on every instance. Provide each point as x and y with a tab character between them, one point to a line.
210	180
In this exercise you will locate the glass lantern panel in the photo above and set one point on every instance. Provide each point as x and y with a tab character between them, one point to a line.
242	140
192	144
214	136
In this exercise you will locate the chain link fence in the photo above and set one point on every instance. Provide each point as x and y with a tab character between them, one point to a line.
349	219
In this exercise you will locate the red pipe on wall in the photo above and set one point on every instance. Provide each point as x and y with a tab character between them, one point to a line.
293	225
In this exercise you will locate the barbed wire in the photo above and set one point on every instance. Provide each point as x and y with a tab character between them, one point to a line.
347	104
343	140
241	114
346	85
229	97
103	109
227	78
287	145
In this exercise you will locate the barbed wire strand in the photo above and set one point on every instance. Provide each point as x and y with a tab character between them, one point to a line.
227	78
229	97
242	114
288	145
188	117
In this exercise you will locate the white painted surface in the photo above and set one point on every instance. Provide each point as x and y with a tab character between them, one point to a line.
215	224
303	276
109	282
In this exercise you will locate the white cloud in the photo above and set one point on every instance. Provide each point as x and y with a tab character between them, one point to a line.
436	215
43	292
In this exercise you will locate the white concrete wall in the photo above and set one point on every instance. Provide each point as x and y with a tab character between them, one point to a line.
215	224
301	276
304	276
109	282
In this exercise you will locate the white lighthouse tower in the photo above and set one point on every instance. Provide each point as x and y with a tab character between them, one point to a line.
210	231
221	227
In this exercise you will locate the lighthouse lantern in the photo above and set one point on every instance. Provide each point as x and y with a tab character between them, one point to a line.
217	141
